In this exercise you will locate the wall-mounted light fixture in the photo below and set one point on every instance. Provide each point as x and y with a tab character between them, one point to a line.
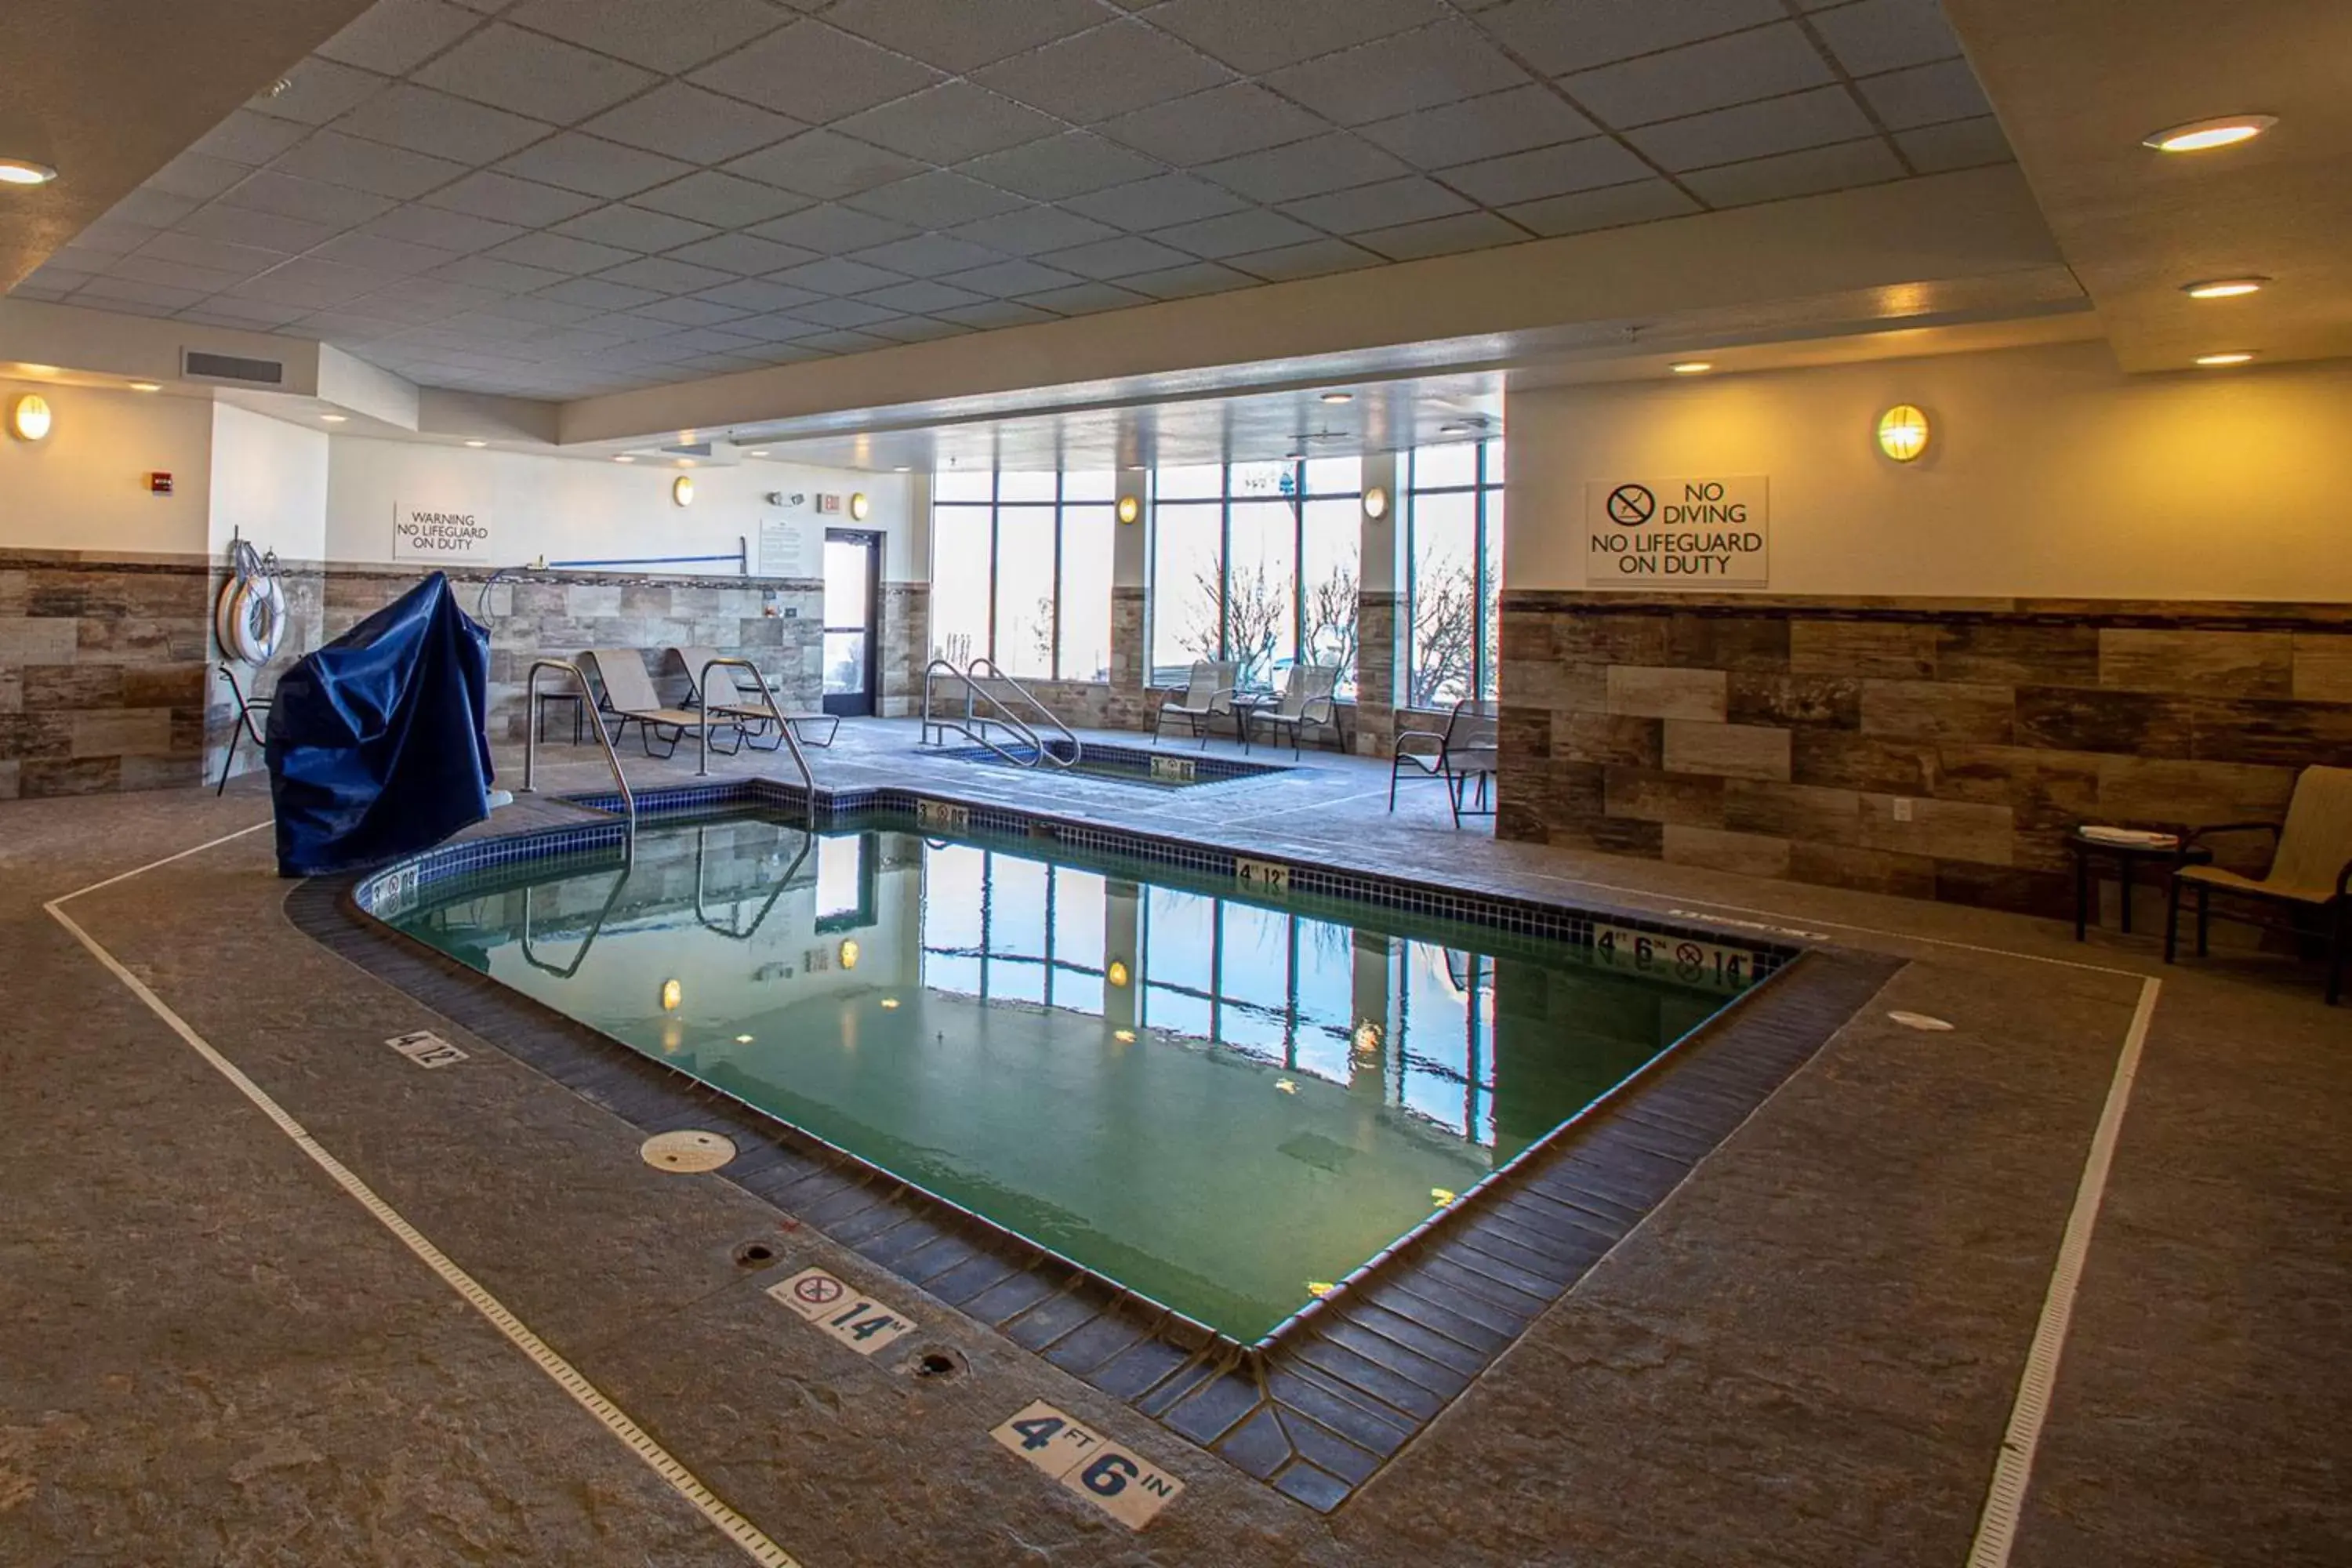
1129	509
681	490
29	416
2223	287
1691	366
859	506
672	993
1903	433
848	952
1117	973
24	171
2204	135
1376	502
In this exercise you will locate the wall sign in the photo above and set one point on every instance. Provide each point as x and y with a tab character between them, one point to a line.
1692	534
421	531
784	548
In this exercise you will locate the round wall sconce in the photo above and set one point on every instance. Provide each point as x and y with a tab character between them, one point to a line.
1903	433
672	993
1116	973
29	417
859	506
1129	509
848	952
24	171
681	490
1376	503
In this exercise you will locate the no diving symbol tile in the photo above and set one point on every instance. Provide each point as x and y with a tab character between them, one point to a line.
1121	1482
862	1323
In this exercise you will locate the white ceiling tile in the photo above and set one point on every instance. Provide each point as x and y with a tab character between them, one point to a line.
996	314
1558	38
1958	144
742	254
1327	163
752	294
202	280
721	200
335	206
122	293
1185	283
406	115
1876	36
151	208
1254	37
1381	205
600	292
561	253
221	256
544	311
581	162
824	164
1925	95
228	309
843	313
1157	202
948	123
1086	299
814	73
633	229
1312	259
1396	75
246	137
959	35
318	90
1006	278
114	234
451	231
1587	164
1117	258
682	121
1763	62
916	328
777	328
543	78
1836	168
242	226
843	342
505	199
373	250
832	230
1613	206
936	200
1240	117
660	35
1069	165
1106	71
194	175
1441	236
928	255
1032	230
1509	121
306	280
1754	129
689	312
396	37
1235	234
921	295
505	277
836	276
664	276
340	160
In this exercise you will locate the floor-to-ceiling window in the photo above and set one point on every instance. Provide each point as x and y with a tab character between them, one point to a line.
1021	570
1453	572
1256	562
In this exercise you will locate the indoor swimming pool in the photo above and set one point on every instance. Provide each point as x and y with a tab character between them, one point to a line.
1221	1095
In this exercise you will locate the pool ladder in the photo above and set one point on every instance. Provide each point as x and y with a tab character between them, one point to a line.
595	722
983	707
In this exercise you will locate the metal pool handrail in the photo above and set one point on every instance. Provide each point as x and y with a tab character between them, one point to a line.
775	710
995	672
1003	715
595	927
595	722
808	841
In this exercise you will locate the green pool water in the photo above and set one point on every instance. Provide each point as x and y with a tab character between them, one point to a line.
1220	1101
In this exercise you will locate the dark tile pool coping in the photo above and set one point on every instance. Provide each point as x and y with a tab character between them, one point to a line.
1317	1406
1149	766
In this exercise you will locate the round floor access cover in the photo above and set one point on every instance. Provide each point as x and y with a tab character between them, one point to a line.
687	1151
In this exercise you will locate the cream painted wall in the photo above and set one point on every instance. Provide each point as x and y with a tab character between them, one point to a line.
85	488
571	509
268	484
2049	473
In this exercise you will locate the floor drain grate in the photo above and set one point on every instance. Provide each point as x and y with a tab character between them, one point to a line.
686	1152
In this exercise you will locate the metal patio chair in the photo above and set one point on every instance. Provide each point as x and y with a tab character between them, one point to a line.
1208	696
726	696
249	712
1305	699
629	696
1463	755
2310	871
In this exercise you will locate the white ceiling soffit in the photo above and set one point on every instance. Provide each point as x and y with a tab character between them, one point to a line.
569	197
109	94
2079	85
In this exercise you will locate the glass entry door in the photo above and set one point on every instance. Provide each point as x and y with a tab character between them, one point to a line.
853	584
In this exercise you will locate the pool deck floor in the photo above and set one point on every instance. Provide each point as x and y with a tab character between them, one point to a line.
211	1353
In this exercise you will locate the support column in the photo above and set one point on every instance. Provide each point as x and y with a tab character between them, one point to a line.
1129	705
1380	610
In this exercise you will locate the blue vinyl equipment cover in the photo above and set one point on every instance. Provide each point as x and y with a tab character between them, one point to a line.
377	740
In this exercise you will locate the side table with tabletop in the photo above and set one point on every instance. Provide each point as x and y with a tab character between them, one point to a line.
2167	851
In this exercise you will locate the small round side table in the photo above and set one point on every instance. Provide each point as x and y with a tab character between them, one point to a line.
2169	856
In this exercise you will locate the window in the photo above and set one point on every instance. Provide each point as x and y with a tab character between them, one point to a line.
1453	572
1257	562
1021	569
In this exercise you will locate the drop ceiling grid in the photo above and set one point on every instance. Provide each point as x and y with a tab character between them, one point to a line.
564	198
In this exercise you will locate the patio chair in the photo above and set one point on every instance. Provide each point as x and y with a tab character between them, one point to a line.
628	694
2310	871
250	710
727	695
1208	696
1305	699
1462	755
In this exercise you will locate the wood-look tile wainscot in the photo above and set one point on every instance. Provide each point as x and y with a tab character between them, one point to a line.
1781	737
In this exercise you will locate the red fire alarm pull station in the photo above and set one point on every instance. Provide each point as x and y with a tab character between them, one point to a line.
159	484
828	503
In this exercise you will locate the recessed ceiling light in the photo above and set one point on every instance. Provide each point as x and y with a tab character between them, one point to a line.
624	457
2204	135
1692	366
685	462
146	386
761	453
2223	287
477	443
1338	397
334	418
2235	356
24	171
902	468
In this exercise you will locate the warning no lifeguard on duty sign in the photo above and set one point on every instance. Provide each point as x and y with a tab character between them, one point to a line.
1692	533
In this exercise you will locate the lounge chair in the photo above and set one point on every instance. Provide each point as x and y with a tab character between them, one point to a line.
629	696
1463	755
1305	699
1208	695
728	695
2311	868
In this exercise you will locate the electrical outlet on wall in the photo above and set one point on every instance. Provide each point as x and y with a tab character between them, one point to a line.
1902	809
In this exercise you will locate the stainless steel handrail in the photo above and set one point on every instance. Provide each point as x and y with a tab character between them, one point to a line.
808	842
595	927
1004	716
595	722
996	672
775	709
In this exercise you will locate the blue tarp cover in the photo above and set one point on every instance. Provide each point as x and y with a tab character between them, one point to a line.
377	742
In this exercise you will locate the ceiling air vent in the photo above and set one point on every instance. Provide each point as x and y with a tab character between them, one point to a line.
197	366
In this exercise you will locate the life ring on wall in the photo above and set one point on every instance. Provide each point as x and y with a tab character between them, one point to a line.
249	617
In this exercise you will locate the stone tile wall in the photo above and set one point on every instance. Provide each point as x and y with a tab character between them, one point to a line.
906	647
304	583
101	671
1936	750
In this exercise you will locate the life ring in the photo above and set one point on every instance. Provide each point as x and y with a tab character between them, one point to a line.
250	618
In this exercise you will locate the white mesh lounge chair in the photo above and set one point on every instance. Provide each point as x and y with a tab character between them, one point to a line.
731	695
1305	699
1208	695
2310	872
1464	756
629	696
